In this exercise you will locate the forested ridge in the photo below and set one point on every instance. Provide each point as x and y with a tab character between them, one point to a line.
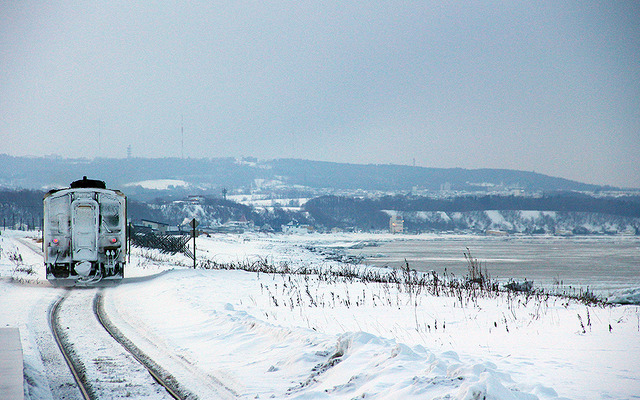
24	208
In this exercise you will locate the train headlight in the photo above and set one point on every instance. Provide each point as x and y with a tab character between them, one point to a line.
113	240
55	242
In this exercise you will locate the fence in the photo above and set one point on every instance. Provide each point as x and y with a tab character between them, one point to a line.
165	243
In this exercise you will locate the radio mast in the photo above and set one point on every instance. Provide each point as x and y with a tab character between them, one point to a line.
99	136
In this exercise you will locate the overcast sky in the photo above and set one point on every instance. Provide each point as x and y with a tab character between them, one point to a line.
545	86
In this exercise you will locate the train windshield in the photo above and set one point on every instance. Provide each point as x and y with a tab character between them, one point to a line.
110	209
59	214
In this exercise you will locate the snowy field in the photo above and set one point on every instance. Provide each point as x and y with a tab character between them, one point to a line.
279	335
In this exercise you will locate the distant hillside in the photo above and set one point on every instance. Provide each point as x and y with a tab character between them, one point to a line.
402	177
579	214
567	212
210	175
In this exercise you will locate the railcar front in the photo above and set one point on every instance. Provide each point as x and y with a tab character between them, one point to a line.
84	233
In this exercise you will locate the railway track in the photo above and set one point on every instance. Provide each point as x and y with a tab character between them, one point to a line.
103	362
57	336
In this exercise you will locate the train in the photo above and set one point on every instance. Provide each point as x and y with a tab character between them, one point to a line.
84	233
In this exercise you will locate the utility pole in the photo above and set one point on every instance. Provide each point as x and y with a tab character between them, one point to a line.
129	233
194	224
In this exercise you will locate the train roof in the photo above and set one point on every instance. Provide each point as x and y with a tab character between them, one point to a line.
88	183
85	183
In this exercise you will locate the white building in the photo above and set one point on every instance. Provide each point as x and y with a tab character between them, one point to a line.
396	224
294	229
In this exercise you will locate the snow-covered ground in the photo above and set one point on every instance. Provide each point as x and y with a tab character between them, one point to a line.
305	336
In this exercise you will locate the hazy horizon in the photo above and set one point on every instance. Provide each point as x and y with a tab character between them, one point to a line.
547	87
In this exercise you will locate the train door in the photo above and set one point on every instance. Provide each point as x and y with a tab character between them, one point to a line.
84	230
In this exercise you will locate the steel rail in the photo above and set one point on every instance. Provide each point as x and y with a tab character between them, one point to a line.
138	355
53	324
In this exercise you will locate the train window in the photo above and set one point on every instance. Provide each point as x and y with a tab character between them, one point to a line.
59	214
110	210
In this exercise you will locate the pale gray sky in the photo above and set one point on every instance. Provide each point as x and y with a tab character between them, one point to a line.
545	86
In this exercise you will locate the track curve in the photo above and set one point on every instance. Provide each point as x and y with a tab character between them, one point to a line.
103	362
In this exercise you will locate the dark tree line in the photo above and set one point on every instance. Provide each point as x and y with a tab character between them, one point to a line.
564	202
21	208
336	211
347	212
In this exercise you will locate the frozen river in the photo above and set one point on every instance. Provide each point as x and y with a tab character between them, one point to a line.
604	263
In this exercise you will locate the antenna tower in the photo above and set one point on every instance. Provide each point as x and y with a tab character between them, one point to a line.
99	135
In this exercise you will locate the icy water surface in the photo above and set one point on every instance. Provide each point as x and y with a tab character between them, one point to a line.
603	264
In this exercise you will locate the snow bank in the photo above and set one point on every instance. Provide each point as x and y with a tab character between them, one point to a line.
366	366
228	324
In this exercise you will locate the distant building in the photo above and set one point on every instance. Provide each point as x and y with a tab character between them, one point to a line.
295	229
240	225
154	226
176	230
195	199
396	224
232	226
